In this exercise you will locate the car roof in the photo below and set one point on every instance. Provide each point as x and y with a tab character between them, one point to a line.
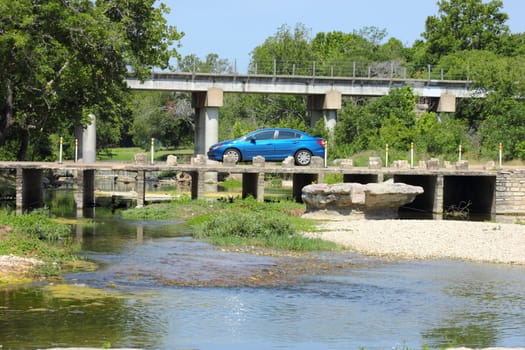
283	129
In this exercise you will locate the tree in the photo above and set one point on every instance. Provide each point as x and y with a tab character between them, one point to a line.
464	25
388	119
212	64
62	60
167	117
347	54
289	50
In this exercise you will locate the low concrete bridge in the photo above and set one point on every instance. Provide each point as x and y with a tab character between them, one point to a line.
491	192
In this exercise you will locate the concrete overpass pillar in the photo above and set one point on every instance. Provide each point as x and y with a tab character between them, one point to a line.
447	103
325	107
206	106
87	141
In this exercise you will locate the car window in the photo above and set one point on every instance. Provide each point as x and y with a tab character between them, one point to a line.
284	134
264	135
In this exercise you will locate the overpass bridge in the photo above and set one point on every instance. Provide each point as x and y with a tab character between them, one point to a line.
297	84
324	94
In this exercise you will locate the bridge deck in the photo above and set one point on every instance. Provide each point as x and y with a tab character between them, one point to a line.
244	168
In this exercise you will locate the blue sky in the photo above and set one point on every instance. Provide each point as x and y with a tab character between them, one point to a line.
233	28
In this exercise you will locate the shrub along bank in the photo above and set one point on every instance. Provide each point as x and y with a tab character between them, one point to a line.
35	235
239	223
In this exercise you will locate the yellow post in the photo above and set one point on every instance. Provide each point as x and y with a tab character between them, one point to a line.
152	150
386	155
500	156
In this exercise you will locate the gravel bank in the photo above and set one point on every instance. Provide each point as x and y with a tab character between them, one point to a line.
429	239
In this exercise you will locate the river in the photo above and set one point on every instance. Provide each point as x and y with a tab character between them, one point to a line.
158	288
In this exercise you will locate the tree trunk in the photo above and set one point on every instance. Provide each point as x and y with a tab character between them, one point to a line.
9	120
24	144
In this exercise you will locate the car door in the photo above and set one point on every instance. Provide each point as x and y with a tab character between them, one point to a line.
259	144
286	143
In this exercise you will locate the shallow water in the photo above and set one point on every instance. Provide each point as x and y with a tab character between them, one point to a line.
369	302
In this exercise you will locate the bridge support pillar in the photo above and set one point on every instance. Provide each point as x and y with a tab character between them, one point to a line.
325	107
447	103
301	180
141	188
207	106
87	141
437	207
253	185
197	184
84	190
29	194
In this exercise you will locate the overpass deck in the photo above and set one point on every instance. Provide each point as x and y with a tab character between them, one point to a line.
297	84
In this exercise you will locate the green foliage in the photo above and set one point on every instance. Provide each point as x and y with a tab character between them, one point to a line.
265	229
36	224
36	235
289	50
212	64
246	225
464	25
503	123
151	212
440	135
385	120
163	116
243	222
62	60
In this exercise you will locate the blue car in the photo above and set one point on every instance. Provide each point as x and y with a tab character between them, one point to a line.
274	144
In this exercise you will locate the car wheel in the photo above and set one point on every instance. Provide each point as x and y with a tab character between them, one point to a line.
303	157
233	153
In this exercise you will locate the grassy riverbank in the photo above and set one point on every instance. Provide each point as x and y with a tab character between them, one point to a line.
239	223
46	245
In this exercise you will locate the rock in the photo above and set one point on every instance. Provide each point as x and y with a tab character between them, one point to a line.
374	163
289	162
259	161
141	158
462	165
433	163
229	161
200	159
317	162
347	163
400	164
357	201
171	160
490	165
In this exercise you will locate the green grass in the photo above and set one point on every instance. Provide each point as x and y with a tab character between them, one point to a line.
241	223
35	235
128	153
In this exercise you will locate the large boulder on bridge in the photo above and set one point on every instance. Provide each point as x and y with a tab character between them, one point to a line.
357	201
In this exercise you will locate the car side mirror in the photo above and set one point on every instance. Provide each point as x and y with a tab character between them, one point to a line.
252	139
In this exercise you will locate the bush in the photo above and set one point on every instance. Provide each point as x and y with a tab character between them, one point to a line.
245	225
37	224
264	229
